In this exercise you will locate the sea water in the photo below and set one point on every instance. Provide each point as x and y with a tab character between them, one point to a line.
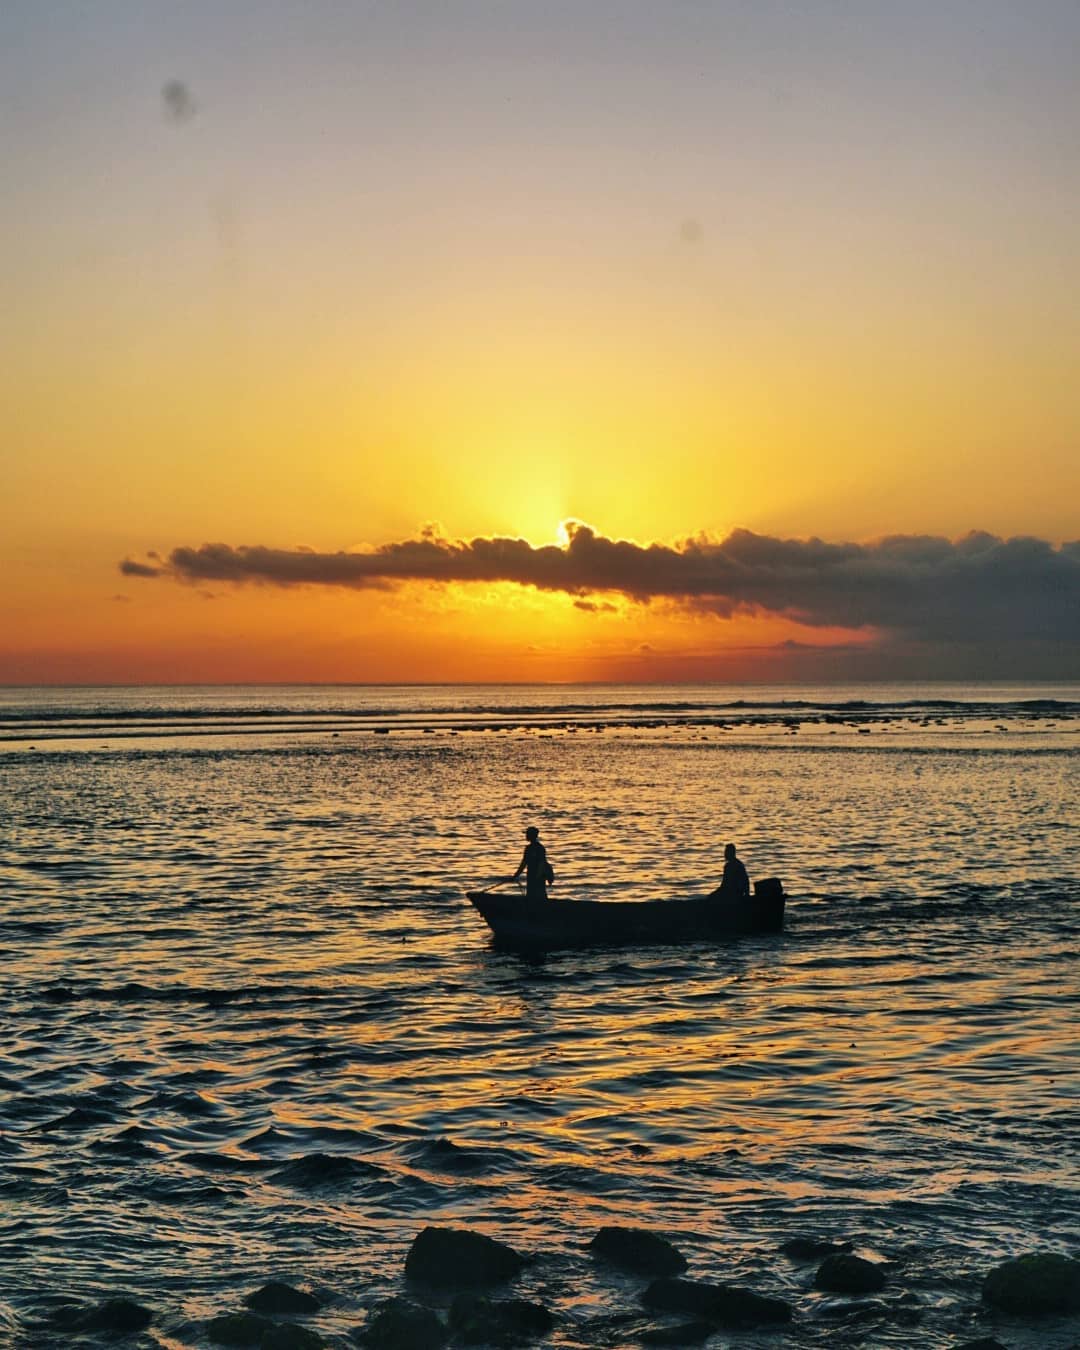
252	1029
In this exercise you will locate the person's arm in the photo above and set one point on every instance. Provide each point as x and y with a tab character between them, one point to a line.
521	865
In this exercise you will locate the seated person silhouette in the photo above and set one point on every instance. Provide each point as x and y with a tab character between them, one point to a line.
734	884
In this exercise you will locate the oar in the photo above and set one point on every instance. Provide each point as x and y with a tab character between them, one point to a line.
499	881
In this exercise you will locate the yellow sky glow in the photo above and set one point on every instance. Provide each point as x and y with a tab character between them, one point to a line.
665	276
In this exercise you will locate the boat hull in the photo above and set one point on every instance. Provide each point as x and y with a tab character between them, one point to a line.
550	924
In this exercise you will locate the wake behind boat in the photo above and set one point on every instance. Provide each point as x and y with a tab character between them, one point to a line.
548	924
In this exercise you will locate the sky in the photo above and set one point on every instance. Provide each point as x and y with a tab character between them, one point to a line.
596	340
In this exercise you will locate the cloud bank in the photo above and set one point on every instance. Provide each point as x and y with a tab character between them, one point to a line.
979	587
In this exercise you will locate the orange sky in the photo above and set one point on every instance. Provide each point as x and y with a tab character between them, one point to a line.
664	270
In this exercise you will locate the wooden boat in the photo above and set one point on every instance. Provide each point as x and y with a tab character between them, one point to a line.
548	924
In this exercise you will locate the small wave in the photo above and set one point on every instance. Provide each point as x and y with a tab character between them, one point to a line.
78	1118
190	1104
135	992
30	928
130	1143
21	1180
528	1106
274	1138
210	1161
266	1141
182	1191
585	1180
316	1170
197	1077
444	1156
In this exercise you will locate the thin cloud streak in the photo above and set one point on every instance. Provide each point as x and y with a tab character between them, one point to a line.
976	588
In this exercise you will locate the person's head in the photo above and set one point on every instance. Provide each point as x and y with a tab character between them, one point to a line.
729	850
532	834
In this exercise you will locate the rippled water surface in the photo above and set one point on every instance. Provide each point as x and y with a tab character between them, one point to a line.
252	1028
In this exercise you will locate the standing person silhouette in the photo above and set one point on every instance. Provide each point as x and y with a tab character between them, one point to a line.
536	867
734	884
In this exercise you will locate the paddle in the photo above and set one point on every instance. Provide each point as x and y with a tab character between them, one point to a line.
499	881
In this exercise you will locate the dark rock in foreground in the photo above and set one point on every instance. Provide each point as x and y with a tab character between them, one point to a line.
277	1297
686	1333
290	1336
725	1303
812	1249
401	1325
113	1317
983	1343
638	1250
843	1273
1035	1285
249	1329
475	1320
238	1329
453	1257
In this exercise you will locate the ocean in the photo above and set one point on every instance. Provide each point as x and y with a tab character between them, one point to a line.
253	1030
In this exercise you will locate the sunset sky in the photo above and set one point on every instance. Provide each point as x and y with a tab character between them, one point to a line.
597	340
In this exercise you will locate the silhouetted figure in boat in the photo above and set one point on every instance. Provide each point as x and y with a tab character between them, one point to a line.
734	884
534	863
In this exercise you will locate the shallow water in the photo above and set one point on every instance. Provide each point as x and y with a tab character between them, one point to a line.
253	1029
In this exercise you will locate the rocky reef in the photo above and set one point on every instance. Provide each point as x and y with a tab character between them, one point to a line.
450	1273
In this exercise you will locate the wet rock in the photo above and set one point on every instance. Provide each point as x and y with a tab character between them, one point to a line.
277	1297
61	1312
401	1325
238	1329
457	1257
290	1336
248	1329
113	1317
842	1273
726	1303
475	1320
686	1333
638	1250
812	1249
1035	1285
983	1343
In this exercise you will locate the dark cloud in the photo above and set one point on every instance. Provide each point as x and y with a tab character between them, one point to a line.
129	568
177	101
922	586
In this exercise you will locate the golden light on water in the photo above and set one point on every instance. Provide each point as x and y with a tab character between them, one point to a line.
248	982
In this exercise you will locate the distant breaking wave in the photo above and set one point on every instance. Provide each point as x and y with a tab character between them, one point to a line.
85	714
